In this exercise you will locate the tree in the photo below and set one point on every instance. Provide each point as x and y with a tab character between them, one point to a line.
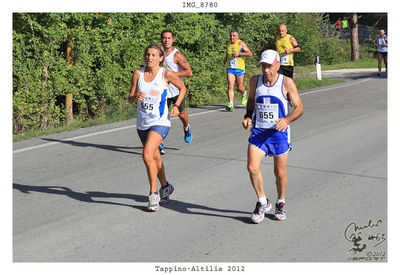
355	55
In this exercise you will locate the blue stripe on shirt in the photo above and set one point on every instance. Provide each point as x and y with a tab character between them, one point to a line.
163	102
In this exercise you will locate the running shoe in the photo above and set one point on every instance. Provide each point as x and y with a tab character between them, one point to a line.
280	211
244	99
230	107
259	213
154	202
188	135
165	192
161	148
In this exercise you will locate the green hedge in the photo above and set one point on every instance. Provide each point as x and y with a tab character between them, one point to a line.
108	47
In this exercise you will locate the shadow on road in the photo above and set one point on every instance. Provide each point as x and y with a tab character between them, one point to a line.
122	149
95	197
84	197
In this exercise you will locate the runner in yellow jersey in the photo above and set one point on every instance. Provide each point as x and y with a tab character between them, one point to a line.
236	50
286	45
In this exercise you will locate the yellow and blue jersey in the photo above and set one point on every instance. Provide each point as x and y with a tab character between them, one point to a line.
234	62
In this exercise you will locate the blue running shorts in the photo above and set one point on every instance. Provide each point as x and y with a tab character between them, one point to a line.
383	53
237	72
270	148
161	130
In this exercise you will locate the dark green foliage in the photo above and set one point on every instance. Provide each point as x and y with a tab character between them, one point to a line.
108	47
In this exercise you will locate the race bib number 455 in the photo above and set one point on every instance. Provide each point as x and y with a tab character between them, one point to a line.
267	114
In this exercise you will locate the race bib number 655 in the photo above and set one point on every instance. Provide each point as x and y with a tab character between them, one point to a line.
267	114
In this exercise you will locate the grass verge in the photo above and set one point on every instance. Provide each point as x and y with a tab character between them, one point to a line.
111	116
307	83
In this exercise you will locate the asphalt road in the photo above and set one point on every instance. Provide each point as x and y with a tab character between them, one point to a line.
81	196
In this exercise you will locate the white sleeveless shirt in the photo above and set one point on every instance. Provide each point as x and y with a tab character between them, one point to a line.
172	66
270	104
382	41
153	110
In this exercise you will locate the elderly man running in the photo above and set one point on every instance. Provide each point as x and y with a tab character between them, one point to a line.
268	117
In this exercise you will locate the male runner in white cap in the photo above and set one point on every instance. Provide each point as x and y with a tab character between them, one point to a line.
268	117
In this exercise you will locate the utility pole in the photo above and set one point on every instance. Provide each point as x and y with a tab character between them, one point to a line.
68	96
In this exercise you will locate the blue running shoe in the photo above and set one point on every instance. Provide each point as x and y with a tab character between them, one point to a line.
188	135
161	148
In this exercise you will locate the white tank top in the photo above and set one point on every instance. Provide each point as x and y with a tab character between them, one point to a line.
381	41
172	66
153	110
270	104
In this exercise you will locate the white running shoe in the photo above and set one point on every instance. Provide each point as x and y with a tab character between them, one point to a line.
280	211
260	210
154	202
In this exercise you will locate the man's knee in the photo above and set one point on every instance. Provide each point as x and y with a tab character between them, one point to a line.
231	85
253	168
280	172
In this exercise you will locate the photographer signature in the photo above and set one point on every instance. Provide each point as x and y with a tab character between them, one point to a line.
356	234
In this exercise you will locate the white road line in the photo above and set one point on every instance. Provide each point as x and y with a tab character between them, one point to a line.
195	114
73	138
335	87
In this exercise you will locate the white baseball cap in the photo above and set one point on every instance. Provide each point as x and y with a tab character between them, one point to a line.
269	56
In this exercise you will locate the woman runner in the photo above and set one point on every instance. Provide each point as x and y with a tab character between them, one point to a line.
149	90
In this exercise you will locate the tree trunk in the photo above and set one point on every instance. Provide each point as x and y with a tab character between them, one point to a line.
355	55
45	102
68	97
